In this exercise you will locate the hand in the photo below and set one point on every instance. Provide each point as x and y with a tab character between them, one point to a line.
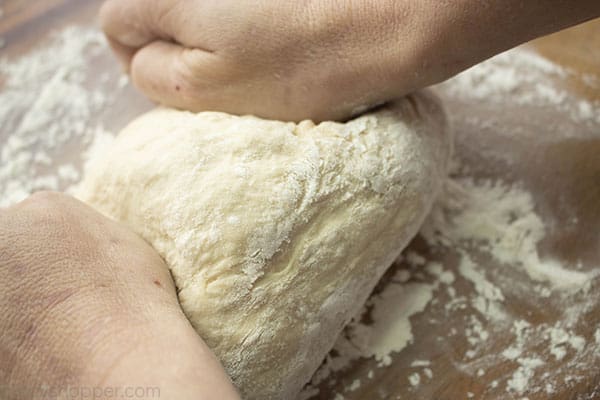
87	305
316	59
285	60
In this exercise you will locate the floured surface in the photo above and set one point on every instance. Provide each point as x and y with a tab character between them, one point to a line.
507	262
488	330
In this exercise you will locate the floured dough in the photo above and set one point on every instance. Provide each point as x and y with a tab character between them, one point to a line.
275	232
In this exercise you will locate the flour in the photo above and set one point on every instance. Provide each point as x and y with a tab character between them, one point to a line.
526	78
355	385
414	379
49	101
520	379
509	231
444	276
480	220
482	286
499	220
428	373
390	331
420	363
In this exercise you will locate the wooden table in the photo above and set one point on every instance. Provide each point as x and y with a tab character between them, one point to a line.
561	168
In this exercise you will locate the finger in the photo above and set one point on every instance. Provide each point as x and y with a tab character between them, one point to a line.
124	54
126	22
178	77
136	23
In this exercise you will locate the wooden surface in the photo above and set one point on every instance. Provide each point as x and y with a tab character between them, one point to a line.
563	171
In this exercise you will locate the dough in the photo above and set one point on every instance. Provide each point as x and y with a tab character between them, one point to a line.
275	232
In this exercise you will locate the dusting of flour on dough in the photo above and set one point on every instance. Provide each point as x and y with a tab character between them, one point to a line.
321	211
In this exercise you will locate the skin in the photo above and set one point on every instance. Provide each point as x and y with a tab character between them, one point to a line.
86	303
315	59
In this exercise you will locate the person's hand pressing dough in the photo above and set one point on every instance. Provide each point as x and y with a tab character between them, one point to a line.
314	59
275	232
287	60
89	310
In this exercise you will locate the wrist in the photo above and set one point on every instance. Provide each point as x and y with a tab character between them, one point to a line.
433	40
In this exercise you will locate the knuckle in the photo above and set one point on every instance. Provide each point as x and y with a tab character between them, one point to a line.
45	209
44	195
113	14
106	14
43	199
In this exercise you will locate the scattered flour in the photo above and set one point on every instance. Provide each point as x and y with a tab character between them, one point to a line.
355	385
520	379
391	329
420	363
485	288
414	379
428	373
48	101
527	79
477	219
499	219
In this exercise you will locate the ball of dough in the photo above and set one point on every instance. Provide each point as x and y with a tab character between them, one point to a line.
275	232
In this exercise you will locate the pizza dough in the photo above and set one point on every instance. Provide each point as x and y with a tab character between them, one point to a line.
275	232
